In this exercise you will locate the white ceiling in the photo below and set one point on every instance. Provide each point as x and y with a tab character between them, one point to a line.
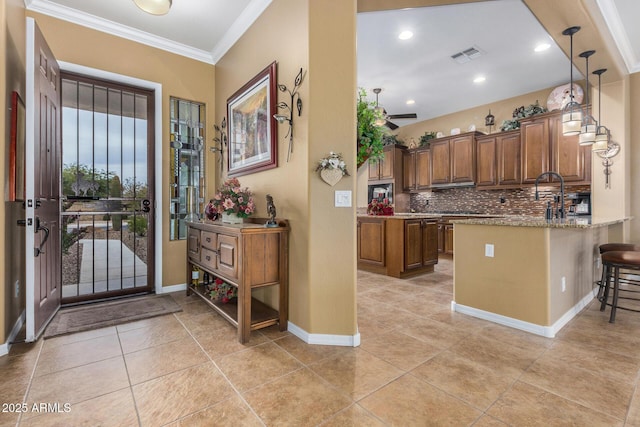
419	68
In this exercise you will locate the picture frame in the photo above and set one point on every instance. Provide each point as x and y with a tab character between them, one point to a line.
252	129
16	148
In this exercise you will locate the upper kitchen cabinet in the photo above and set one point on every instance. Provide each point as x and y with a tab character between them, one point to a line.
545	148
498	160
453	160
389	167
416	169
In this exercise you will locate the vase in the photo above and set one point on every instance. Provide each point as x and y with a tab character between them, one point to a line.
231	218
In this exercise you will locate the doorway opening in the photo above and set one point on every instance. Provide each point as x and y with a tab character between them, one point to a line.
108	175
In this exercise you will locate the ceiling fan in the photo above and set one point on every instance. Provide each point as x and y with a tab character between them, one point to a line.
388	117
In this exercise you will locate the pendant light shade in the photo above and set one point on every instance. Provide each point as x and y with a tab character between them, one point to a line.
572	112
603	135
154	7
589	125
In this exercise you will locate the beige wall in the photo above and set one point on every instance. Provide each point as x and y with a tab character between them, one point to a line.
634	156
179	76
322	255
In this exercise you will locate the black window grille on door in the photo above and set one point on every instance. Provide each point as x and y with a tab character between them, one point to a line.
107	189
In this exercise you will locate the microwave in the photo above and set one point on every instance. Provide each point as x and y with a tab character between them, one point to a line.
380	192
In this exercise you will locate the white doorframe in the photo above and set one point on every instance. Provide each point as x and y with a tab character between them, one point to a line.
29	185
157	88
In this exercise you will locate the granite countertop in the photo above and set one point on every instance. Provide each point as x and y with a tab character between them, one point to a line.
528	221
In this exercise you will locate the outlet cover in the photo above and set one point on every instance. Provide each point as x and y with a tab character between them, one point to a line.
488	250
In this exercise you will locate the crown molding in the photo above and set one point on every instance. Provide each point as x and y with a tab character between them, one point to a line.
248	16
616	28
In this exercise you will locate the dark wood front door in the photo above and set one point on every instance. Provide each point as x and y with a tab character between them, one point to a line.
42	198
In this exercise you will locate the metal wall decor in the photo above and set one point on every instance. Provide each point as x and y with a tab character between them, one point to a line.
282	118
612	150
221	140
489	121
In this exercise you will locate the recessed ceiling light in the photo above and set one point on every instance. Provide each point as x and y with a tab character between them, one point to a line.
410	101
542	47
479	79
405	35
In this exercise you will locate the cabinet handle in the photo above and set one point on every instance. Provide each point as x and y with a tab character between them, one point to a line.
208	258
208	239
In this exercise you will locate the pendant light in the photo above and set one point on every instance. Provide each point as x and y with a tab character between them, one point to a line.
603	135
154	7
572	112
589	124
381	120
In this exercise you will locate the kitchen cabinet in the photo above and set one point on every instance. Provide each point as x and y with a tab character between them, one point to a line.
247	256
498	160
397	246
416	169
389	167
545	148
453	160
445	236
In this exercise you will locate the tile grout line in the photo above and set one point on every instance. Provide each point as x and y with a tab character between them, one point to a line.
33	373
126	367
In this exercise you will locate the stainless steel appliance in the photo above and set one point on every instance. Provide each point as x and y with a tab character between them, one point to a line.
580	203
381	192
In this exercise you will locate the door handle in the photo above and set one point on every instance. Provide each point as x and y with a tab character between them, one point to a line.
38	251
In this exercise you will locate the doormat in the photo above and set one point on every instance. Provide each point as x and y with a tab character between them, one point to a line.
102	315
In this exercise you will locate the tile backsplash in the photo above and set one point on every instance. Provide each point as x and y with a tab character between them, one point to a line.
519	201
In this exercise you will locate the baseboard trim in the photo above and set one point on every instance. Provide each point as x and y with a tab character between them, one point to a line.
324	339
173	288
4	348
545	331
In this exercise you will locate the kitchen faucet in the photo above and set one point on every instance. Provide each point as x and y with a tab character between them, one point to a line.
560	209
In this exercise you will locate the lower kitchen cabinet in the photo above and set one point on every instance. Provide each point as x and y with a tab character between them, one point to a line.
246	256
397	246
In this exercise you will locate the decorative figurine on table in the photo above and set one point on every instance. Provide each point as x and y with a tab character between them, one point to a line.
271	211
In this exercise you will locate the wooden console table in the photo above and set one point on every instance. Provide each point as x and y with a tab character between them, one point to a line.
247	256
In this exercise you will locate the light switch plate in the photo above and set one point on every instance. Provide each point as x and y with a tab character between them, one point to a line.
343	199
488	250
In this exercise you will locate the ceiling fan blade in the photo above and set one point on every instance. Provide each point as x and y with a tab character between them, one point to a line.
391	125
403	116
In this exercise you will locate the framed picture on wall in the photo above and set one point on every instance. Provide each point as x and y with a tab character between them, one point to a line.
252	127
16	148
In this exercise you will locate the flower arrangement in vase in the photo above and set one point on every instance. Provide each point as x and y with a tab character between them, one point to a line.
233	201
377	207
221	291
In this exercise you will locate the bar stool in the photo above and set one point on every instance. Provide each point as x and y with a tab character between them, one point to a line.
608	247
614	261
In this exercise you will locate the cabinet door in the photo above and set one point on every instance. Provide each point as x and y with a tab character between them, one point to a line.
448	239
371	241
486	158
441	238
228	256
387	162
193	244
408	170
440	164
429	243
423	169
413	244
569	158
463	159
508	157
374	170
535	149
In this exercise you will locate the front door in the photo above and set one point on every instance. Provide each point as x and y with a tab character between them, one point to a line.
42	184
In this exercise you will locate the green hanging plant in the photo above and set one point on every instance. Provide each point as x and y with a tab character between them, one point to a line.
370	143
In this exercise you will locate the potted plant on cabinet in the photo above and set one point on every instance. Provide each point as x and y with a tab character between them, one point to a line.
370	134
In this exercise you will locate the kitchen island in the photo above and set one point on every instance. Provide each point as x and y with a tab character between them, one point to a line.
397	245
527	273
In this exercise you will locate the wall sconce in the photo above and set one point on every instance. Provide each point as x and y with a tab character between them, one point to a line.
221	140
282	118
572	112
154	7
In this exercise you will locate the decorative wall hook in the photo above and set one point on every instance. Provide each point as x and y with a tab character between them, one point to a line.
282	118
221	140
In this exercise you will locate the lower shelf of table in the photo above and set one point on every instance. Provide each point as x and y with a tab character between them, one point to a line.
262	315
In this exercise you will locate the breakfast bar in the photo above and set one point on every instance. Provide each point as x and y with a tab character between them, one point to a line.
527	273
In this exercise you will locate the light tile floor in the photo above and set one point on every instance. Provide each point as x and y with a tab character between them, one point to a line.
418	365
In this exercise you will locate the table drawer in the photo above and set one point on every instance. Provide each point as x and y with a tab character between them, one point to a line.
209	240
209	259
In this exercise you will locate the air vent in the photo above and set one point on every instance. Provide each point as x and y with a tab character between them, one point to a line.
467	55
